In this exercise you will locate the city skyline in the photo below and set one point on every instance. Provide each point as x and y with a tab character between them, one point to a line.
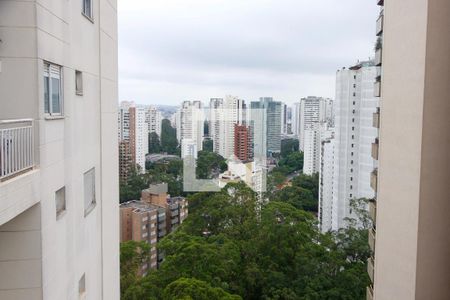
197	50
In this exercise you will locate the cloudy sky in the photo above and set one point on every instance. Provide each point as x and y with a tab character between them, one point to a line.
175	50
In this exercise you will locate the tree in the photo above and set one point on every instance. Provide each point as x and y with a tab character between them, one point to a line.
131	189
210	164
169	142
132	254
292	162
193	289
154	145
289	146
208	145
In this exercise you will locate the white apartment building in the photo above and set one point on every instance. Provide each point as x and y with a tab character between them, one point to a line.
134	129
312	112
354	134
190	123
295	119
59	225
224	113
326	181
311	149
153	118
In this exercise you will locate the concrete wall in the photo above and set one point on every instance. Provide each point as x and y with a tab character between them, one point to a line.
412	255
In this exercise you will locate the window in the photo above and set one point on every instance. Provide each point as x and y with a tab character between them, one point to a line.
87	9
82	285
52	89
89	191
60	201
79	83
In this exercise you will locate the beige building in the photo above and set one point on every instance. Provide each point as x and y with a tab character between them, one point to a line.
411	235
140	221
59	225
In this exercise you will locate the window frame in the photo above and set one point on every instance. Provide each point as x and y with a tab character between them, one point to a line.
89	16
91	205
58	194
53	71
78	83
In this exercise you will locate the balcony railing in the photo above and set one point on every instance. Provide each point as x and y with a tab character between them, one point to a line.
16	147
376	118
378	57
380	25
377	89
375	147
374	179
380	2
369	293
372	239
373	211
370	268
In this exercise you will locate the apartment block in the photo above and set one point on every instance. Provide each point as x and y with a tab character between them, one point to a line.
354	134
411	233
190	124
242	142
153	118
175	208
59	226
133	129
141	221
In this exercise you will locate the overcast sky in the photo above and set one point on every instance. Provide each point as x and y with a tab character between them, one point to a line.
175	50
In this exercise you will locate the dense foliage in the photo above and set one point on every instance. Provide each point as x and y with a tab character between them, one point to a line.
154	144
169	142
288	146
234	246
210	164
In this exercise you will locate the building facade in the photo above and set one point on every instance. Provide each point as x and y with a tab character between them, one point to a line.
133	129
190	125
243	142
272	120
353	164
153	118
411	224
59	220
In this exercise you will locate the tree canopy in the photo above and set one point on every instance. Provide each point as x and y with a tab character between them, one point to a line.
233	246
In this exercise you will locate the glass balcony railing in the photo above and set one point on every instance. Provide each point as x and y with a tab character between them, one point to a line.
16	147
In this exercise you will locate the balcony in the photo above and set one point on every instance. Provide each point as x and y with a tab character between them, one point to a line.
377	89
375	147
16	148
369	293
378	57
374	179
373	211
376	118
370	268
372	239
380	22
19	178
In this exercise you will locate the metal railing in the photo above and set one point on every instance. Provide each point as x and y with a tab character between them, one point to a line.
16	147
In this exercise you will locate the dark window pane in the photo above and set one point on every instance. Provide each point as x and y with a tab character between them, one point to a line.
46	96
56	106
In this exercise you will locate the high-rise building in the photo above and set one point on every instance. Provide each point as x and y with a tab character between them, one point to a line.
311	149
411	234
326	181
190	126
125	160
312	113
153	118
353	163
295	119
134	130
242	142
284	118
59	226
272	120
224	114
